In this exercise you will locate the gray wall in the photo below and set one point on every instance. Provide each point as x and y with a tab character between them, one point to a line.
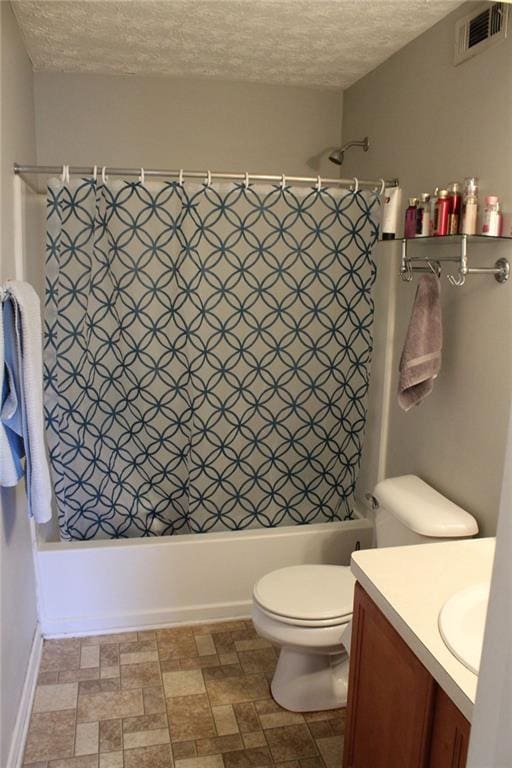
431	123
19	614
180	123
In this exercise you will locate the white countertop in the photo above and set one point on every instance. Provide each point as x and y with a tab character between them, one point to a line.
410	586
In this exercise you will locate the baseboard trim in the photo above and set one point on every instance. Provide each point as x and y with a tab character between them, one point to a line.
140	620
19	734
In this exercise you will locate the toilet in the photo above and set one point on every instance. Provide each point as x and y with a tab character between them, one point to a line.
307	609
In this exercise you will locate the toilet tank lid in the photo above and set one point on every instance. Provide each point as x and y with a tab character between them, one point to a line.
422	509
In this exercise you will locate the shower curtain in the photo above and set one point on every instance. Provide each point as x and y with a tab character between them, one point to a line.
207	351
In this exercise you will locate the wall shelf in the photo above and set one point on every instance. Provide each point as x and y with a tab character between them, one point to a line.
411	264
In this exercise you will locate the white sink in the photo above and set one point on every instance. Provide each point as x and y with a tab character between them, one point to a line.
462	623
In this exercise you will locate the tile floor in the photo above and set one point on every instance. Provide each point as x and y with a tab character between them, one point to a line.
192	697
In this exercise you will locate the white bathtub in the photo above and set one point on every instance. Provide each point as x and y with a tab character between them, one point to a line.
103	586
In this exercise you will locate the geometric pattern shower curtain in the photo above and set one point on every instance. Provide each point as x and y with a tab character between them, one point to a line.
207	354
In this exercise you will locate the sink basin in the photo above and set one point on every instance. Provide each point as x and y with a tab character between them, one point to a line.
462	623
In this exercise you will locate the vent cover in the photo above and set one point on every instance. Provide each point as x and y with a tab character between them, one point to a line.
484	27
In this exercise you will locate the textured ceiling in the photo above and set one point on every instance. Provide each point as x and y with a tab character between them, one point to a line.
326	43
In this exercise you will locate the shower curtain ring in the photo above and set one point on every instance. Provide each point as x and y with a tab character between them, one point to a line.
104	177
246	180
318	184
95	173
180	177
283	182
142	176
65	174
208	178
382	186
356	185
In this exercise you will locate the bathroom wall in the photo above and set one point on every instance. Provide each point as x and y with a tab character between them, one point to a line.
431	123
164	122
18	593
179	123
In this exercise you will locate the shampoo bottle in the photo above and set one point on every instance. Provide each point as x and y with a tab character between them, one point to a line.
423	228
442	213
455	208
433	201
411	214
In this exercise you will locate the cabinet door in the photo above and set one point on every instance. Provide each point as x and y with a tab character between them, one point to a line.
390	696
450	734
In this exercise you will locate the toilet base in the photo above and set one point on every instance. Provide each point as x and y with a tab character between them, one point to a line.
309	682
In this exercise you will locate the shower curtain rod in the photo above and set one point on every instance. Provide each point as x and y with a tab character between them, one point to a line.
49	170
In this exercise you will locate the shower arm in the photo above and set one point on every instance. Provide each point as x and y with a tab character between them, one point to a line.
363	143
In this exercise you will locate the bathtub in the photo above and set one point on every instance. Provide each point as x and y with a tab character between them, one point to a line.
103	586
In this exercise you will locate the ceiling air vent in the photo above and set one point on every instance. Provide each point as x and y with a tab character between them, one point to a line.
485	26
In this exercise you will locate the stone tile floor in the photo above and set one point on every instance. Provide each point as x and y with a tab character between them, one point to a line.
192	697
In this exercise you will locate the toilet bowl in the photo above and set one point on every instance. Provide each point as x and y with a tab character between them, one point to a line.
307	609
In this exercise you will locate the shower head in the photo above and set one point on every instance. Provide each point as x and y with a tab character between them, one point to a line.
337	155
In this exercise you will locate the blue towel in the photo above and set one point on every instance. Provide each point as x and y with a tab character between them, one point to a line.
21	406
12	398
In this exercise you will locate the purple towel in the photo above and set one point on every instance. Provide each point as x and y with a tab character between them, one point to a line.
421	356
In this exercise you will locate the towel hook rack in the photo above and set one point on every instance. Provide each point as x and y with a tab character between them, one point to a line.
456	281
406	274
411	264
434	268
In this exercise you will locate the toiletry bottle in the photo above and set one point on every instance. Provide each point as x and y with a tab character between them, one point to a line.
410	218
391	201
433	201
455	207
470	206
423	226
506	224
442	213
491	219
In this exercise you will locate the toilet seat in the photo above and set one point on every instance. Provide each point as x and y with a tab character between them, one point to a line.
319	623
307	595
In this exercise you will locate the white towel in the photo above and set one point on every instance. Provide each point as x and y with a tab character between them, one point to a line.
29	346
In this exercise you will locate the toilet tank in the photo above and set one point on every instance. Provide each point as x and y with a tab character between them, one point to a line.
408	511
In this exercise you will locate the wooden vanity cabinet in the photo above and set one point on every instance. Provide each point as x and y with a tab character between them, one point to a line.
450	734
397	716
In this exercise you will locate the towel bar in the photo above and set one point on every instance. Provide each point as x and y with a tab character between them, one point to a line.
411	264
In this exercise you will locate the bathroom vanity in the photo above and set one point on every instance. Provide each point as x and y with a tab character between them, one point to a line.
410	699
395	706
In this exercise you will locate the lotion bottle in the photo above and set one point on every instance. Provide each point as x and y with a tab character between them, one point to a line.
491	219
470	206
391	204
